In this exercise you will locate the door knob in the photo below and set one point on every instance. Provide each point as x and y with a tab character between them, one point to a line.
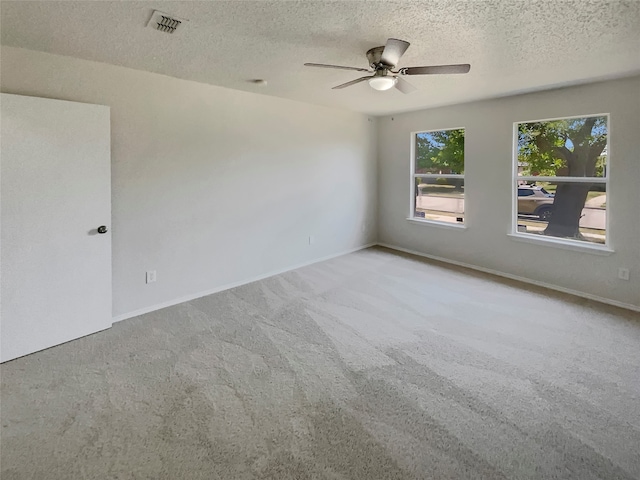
102	229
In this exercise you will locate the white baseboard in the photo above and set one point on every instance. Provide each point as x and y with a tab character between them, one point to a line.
221	288
550	286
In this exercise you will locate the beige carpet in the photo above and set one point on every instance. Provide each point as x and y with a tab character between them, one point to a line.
370	366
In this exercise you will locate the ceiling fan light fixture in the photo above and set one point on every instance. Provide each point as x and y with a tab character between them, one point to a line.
382	83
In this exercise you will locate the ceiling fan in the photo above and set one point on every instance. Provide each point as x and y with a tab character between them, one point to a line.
382	61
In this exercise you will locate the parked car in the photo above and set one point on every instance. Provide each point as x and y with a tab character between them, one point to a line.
535	201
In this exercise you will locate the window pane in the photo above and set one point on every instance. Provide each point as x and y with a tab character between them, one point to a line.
440	199
572	147
576	211
440	152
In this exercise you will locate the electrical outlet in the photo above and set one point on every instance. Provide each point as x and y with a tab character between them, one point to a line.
311	239
623	273
151	276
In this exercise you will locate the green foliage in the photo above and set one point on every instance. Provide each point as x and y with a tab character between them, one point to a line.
569	147
440	152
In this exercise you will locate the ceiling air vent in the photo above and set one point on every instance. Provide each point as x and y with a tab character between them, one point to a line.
164	22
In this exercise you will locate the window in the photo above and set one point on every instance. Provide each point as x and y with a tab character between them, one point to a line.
561	178
437	179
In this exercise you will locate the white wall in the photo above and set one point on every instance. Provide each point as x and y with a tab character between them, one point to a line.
488	177
212	186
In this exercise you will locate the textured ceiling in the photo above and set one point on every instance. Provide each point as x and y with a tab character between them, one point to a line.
513	46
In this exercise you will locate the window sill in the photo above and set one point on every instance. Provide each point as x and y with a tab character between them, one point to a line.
564	244
436	223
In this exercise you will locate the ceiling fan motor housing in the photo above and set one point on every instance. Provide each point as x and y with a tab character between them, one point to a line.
374	55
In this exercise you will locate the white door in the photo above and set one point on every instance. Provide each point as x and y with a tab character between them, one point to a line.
55	191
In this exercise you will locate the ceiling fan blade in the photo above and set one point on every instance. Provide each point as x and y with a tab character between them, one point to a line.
404	86
393	50
322	65
436	69
352	82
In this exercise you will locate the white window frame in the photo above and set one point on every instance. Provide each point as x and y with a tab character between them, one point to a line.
412	182
565	243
